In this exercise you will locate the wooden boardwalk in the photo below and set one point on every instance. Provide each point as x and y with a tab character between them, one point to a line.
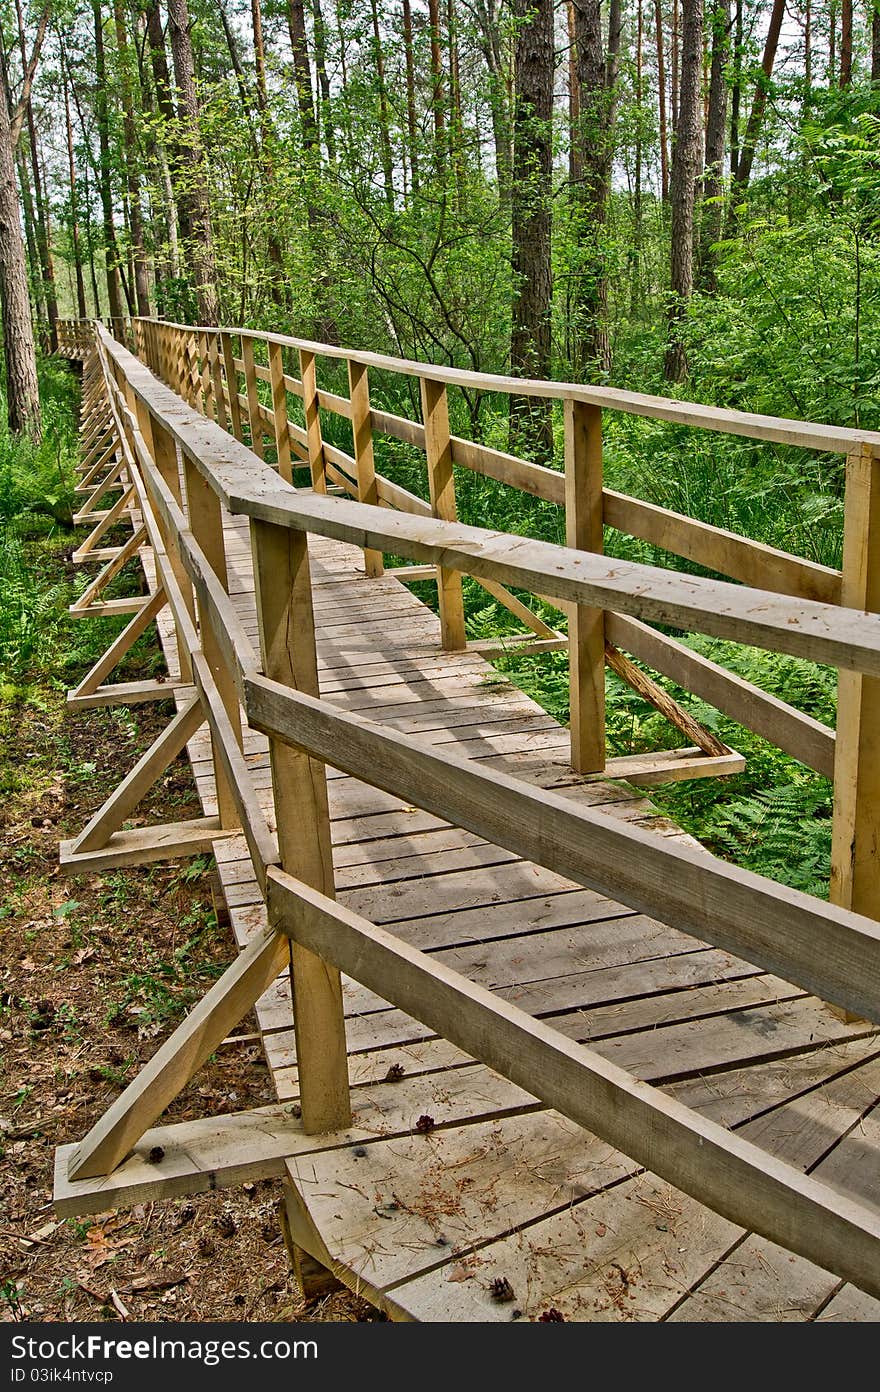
456	1192
496	1188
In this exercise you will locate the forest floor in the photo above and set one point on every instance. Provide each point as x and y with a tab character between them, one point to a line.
96	971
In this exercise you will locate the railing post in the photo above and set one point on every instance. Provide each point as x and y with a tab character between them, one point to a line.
206	525
287	644
362	434
309	376
253	400
586	626
207	377
230	371
855	859
163	452
279	412
441	485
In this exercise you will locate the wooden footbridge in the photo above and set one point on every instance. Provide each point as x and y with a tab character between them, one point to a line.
537	1053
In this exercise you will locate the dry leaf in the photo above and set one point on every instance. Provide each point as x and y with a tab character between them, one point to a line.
460	1273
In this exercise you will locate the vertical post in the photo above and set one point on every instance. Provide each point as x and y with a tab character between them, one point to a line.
193	371
230	372
362	433
279	411
855	864
206	525
441	485
253	400
287	644
586	626
217	380
207	378
164	454
309	376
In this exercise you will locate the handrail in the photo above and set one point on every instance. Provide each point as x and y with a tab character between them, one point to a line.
777	429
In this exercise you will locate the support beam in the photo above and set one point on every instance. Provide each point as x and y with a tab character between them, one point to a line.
441	484
586	626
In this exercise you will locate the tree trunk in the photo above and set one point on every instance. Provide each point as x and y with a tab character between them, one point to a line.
201	243
438	97
531	423
597	84
661	97
635	258
74	199
875	42
685	164
41	225
326	121
129	138
490	43
302	72
744	165
846	42
716	125
169	155
386	156
575	171
411	126
35	277
19	349
111	251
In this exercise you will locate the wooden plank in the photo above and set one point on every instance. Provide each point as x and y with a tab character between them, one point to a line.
261	842
441	482
733	1177
143	845
763	567
128	694
124	554
789	729
663	702
253	401
125	798
823	948
279	413
299	786
842	637
362	433
231	374
309	378
108	608
120	645
855	866
586	627
182	1054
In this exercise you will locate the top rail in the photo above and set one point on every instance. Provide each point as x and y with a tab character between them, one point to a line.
776	429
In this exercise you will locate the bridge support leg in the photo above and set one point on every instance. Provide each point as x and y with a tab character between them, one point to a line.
299	785
855	846
441	483
586	626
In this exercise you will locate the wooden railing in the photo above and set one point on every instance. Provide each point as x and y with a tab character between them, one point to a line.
183	471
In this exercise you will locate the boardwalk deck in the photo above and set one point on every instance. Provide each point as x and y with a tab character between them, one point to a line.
495	1188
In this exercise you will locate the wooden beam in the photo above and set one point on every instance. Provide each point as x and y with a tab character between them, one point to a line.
309	377
175	1062
362	434
120	645
143	845
279	413
799	735
855	862
128	694
825	949
125	798
299	786
253	400
719	1168
586	624
441	483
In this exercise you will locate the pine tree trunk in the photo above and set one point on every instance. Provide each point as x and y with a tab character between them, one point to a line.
411	126
111	252
846	42
597	84
531	424
685	164
129	139
74	199
201	242
438	96
756	116
875	42
326	115
19	349
716	127
661	99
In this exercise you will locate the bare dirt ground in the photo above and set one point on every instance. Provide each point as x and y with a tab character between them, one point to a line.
95	971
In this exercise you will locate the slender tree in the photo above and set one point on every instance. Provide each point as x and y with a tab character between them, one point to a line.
531	424
685	164
19	347
194	192
716	127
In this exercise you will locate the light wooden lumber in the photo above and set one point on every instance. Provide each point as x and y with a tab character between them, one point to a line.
825	949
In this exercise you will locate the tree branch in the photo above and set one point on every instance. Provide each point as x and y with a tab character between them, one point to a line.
21	105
